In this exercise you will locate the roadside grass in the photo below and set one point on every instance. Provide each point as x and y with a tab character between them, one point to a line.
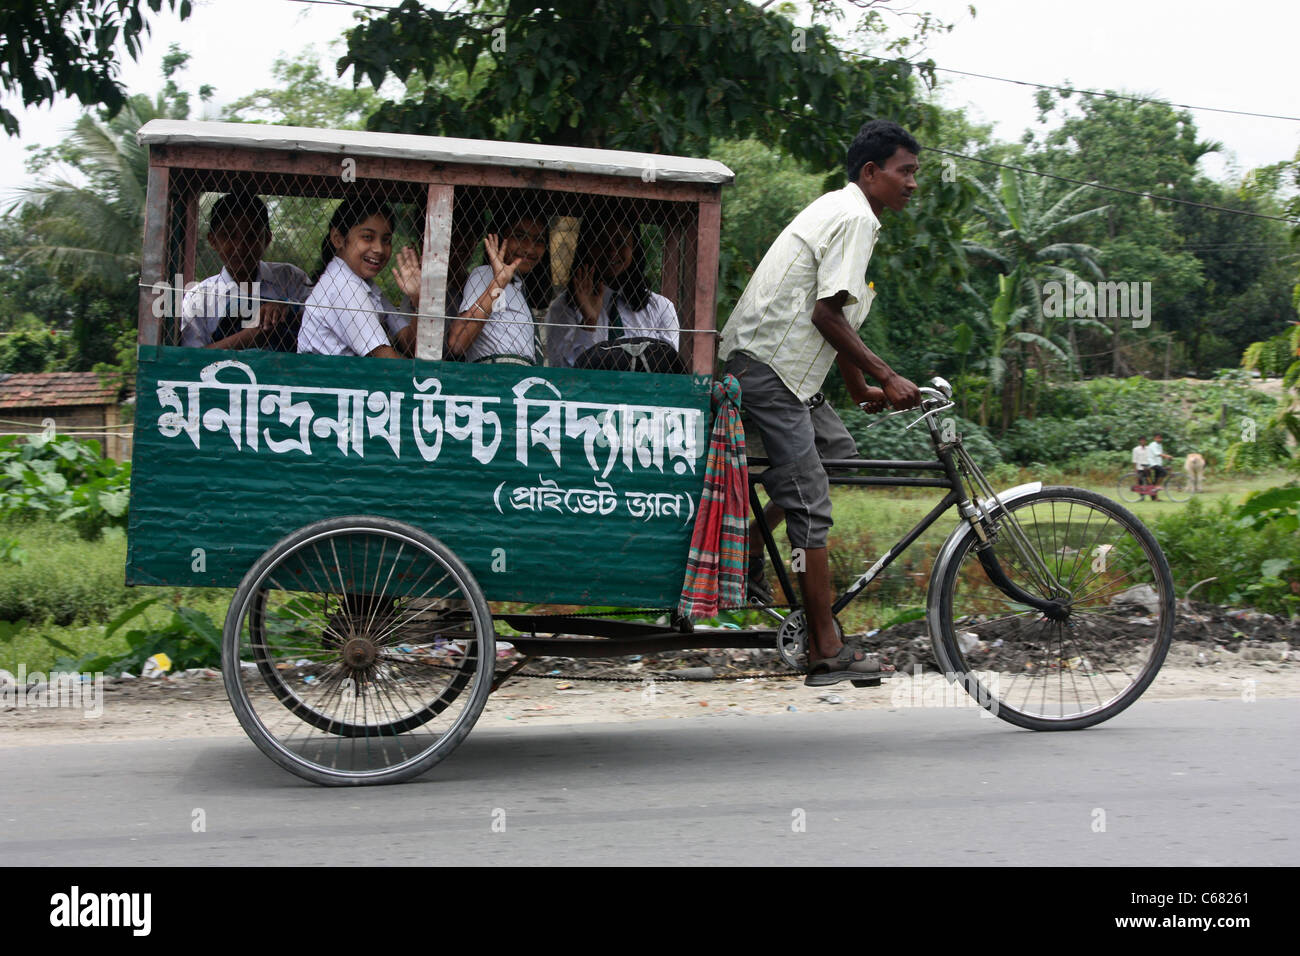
68	589
868	521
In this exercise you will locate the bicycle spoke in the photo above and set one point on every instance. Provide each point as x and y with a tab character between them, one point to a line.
1077	670
338	692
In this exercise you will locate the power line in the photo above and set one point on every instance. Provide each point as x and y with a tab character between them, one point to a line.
1064	179
346	3
860	56
1096	93
975	159
1117	189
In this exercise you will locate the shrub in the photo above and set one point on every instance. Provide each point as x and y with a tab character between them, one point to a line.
1255	564
61	577
189	639
891	439
64	479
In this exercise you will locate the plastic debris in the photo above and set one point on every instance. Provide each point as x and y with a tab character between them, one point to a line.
791	707
310	679
1142	595
968	641
693	673
831	698
157	666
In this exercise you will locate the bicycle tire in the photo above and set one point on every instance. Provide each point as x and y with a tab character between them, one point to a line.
358	685
1174	487
1113	641
1127	487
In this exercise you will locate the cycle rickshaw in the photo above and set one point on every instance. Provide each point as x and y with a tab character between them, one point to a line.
367	510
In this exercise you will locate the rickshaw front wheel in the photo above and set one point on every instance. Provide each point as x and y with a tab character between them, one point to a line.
358	650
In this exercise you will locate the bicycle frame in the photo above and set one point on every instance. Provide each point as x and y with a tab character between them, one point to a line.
951	462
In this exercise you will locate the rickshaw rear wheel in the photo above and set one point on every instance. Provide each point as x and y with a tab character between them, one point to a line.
358	650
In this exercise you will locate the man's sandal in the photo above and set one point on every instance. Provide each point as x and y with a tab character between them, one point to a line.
850	664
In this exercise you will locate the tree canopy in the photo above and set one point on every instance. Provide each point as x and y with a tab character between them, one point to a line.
51	47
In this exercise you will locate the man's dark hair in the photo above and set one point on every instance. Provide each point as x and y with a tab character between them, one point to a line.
238	206
875	143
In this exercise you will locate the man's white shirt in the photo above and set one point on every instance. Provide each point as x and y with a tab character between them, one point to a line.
1141	458
824	250
567	337
509	328
347	315
1155	453
219	296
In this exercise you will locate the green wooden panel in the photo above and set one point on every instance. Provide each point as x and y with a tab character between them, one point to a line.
552	485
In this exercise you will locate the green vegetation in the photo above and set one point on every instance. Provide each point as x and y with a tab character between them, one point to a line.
62	553
1239	559
960	279
64	479
56	600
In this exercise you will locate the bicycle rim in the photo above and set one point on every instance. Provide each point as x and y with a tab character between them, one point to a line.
1060	675
358	651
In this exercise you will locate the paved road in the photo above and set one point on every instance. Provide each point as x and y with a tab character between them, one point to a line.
1214	783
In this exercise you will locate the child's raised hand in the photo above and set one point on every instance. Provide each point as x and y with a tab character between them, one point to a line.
502	272
406	270
588	296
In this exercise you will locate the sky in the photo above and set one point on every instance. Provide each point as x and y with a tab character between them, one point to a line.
1236	56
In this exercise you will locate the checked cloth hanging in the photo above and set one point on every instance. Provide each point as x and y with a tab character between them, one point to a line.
719	555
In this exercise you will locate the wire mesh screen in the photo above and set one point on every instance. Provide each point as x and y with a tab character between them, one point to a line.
536	277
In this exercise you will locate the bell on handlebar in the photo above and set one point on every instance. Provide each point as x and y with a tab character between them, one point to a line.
942	385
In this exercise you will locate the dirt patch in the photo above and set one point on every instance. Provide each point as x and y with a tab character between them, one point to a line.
1217	653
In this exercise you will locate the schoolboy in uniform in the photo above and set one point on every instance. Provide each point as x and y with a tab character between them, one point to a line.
250	304
799	314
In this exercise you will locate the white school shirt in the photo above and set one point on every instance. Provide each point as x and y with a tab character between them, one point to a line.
824	250
347	315
1155	453
567	337
1140	456
509	329
218	296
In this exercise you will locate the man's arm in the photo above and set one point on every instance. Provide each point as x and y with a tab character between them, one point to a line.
866	397
828	318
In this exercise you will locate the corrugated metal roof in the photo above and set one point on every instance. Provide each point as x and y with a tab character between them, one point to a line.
52	389
441	149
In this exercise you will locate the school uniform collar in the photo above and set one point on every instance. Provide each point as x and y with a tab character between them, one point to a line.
228	279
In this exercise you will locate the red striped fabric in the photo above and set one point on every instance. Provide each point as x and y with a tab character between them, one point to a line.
719	555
